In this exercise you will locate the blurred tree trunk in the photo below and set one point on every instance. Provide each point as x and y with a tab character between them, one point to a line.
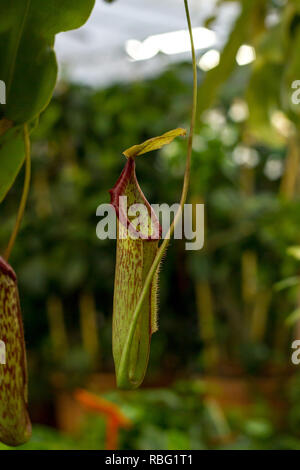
88	325
249	284
206	319
260	315
206	313
58	332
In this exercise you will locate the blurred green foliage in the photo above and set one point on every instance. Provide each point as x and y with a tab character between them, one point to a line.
182	418
28	68
77	158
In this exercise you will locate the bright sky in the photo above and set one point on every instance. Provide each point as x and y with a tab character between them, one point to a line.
104	49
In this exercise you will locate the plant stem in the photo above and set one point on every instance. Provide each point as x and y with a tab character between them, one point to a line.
24	194
123	373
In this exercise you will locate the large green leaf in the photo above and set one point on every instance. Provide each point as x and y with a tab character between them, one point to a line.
270	87
29	69
27	60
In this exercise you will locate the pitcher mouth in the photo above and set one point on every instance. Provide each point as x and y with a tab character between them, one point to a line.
119	189
5	268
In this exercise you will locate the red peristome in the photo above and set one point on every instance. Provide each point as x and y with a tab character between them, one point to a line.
6	269
119	190
120	186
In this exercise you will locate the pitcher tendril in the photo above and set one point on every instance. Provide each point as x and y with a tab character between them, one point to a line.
24	194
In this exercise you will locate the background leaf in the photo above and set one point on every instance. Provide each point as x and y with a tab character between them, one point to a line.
293	317
29	69
215	78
